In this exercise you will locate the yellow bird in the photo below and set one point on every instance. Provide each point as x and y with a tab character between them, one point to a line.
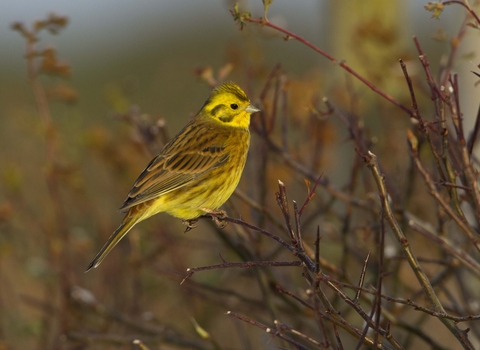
197	171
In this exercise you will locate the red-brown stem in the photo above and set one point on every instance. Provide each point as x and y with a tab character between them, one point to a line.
461	3
334	60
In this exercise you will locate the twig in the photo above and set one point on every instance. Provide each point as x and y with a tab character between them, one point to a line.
466	5
445	71
474	135
334	192
331	315
426	66
342	64
248	264
408	302
283	117
337	337
416	112
461	255
433	191
377	306
284	327
310	194
439	104
469	171
422	278
195	286
290	294
317	251
282	202
298	231
361	279
356	306
296	252
264	130
140	344
267	329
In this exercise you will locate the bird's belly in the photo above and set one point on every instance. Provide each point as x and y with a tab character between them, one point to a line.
209	193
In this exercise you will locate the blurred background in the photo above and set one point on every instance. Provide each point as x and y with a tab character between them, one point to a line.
161	56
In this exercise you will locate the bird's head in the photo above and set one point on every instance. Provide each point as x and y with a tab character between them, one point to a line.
229	105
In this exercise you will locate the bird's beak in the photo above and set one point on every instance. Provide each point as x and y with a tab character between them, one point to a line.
252	109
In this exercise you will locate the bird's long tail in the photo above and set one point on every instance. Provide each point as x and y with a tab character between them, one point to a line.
116	236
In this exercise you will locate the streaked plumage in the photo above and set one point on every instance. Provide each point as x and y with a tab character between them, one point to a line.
197	170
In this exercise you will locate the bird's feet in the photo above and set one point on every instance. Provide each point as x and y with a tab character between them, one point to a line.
218	216
191	224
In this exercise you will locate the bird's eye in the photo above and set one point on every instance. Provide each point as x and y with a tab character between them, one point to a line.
233	106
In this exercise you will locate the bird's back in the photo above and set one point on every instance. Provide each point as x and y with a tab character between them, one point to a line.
203	175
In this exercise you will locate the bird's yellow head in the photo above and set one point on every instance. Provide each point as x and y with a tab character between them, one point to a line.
228	105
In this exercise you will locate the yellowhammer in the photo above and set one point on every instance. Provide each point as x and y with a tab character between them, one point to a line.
197	171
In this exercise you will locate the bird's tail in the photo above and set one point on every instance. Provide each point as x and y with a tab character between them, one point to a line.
116	236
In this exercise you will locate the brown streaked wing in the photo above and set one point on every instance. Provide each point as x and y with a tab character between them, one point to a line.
188	157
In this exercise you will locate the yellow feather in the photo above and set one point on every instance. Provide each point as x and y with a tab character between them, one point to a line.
197	170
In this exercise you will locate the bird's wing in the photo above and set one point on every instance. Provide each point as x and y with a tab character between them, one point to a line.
192	154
